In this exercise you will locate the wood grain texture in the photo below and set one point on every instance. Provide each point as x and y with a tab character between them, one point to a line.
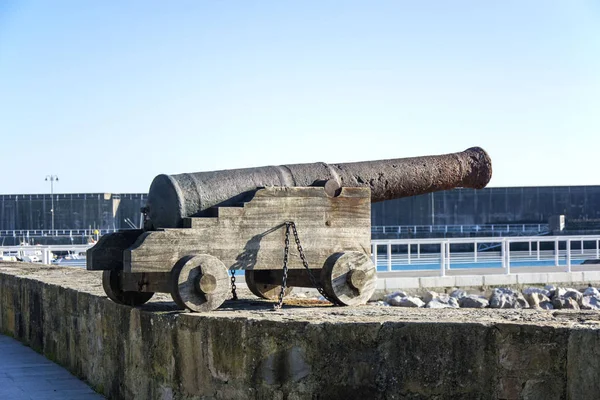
146	281
187	280
107	254
336	277
112	285
252	237
262	285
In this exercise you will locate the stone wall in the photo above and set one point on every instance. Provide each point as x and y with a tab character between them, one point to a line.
246	351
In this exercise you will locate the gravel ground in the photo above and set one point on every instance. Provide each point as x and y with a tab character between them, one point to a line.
300	309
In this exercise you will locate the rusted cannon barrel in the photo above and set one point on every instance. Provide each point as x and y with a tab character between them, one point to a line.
173	197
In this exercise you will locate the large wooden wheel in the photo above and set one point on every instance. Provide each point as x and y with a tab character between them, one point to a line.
349	277
111	282
268	291
200	283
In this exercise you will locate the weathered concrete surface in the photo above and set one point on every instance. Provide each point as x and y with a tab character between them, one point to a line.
246	351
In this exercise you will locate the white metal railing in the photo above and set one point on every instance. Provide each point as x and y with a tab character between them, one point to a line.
26	233
421	254
490	252
444	229
378	229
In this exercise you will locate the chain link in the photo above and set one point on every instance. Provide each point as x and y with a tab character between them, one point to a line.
286	251
233	287
316	284
312	278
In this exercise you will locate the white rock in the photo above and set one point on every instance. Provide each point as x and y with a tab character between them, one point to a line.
458	294
535	298
590	303
551	289
441	302
591	291
565	302
409	301
568	298
473	301
443	297
546	305
429	295
532	289
399	293
559	292
575	295
562	292
394	301
507	298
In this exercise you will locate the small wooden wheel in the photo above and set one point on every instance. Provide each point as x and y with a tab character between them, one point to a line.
268	291
111	282
349	277
200	283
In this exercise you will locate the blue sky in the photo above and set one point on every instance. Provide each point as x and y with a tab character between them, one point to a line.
108	94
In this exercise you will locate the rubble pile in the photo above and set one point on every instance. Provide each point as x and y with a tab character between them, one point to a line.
548	298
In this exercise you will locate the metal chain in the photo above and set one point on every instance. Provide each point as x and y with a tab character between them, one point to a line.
313	280
233	287
286	251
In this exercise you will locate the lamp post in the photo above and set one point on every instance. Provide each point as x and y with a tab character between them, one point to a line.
52	178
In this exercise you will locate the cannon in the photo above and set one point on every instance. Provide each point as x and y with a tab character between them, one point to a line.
200	227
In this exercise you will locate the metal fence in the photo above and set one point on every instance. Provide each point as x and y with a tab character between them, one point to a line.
491	252
391	255
493	229
25	233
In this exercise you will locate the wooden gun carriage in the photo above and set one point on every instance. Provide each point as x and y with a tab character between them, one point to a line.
200	226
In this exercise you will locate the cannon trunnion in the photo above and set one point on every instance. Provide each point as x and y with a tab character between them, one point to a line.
201	225
192	262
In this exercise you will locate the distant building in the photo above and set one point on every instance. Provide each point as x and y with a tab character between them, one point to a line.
503	205
508	205
71	211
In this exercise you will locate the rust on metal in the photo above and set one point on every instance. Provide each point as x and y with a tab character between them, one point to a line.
174	197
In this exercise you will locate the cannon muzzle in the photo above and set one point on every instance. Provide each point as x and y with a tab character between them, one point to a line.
174	197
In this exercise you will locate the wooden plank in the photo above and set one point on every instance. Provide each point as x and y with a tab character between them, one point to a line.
146	282
252	237
263	287
107	254
200	222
